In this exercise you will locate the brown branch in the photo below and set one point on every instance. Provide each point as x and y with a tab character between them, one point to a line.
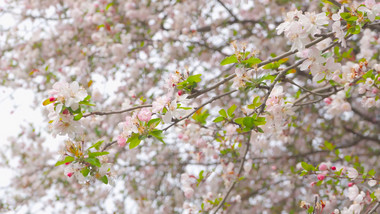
228	10
199	107
117	112
108	145
239	172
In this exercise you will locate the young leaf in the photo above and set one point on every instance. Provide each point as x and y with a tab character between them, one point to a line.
95	154
85	171
194	78
67	159
157	134
231	110
229	60
78	116
218	119
223	113
251	61
134	141
94	161
154	122
97	145
104	179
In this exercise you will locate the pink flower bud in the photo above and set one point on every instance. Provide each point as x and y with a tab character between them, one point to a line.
180	92
70	174
67	163
322	167
321	177
65	111
350	184
52	99
333	168
327	100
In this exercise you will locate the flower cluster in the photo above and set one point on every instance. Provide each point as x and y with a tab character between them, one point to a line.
65	112
337	104
320	67
86	165
298	26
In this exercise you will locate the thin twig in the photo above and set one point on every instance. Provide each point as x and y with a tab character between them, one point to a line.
228	10
199	107
239	172
374	208
108	145
117	112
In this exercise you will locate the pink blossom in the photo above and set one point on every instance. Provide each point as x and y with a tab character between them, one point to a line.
159	104
121	141
322	167
188	191
321	177
144	115
327	100
70	174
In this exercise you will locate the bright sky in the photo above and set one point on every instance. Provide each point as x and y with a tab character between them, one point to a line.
16	109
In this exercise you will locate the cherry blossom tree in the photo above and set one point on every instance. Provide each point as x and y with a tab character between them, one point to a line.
179	106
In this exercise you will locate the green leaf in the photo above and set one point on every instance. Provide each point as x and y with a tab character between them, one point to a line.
94	161
231	110
347	158
134	141
78	116
76	111
95	154
85	171
109	5
104	179
97	145
368	74
87	98
218	119
239	120
307	166
248	122
223	113
87	103
329	146
354	29
251	61
200	116
229	60
352	19
371	172
194	78
157	134
260	121
67	159
345	16
153	122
